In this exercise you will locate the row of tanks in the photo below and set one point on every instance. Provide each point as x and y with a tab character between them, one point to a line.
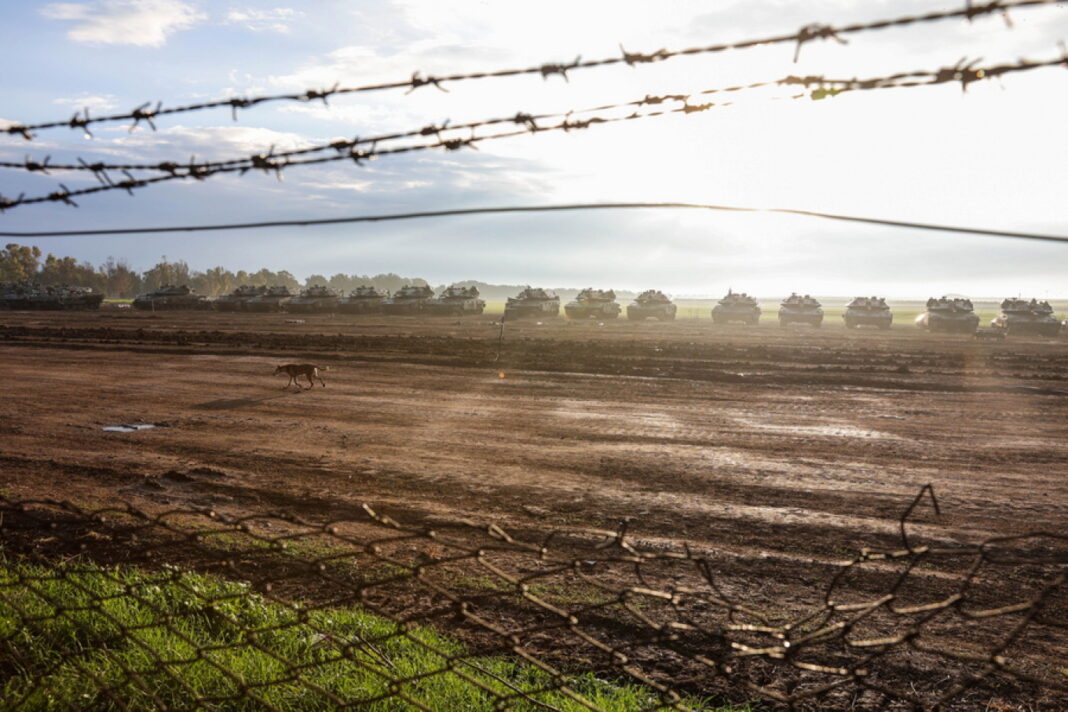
1017	317
951	314
742	308
411	299
32	296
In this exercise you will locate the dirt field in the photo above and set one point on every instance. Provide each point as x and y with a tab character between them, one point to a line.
785	450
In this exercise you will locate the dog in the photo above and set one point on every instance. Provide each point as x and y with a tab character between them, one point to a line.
300	369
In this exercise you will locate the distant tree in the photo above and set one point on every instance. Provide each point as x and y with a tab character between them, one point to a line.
66	271
215	281
119	279
342	282
19	262
316	280
166	272
286	279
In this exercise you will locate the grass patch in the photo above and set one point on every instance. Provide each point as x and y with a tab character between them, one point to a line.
84	636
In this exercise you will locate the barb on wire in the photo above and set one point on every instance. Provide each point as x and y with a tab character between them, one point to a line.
815	32
345	150
798	38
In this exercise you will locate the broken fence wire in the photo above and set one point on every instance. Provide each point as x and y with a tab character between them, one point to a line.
147	114
964	72
109	607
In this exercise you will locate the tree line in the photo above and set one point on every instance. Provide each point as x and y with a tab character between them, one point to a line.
115	278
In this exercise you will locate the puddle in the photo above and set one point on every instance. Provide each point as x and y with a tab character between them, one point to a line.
128	428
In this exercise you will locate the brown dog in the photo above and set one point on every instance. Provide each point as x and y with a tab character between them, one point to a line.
300	369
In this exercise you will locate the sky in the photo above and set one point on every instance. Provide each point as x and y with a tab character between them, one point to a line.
993	156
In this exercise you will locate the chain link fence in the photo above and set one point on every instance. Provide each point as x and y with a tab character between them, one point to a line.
119	608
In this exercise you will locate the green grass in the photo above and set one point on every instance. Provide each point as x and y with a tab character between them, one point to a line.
116	300
72	632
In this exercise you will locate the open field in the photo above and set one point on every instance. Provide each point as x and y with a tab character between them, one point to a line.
781	451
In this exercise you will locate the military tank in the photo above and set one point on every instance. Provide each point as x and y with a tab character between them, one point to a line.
409	299
362	300
1023	317
318	299
171	297
27	295
273	300
593	304
532	302
456	301
949	314
651	304
238	299
868	311
800	309
736	307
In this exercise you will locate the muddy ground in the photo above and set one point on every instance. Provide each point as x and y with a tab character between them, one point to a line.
783	451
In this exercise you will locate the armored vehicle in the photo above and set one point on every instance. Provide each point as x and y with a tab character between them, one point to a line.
868	311
273	300
798	309
651	304
593	304
171	297
736	306
1020	316
409	299
456	301
27	295
313	300
532	302
238	299
949	314
362	300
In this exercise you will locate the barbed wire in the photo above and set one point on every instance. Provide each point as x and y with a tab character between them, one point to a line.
110	607
965	73
147	114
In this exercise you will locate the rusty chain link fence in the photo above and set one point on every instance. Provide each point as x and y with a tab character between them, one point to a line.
118	608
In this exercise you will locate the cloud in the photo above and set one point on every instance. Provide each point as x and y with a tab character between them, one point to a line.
94	102
145	23
275	20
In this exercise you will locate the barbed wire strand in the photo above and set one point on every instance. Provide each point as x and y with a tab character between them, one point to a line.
147	115
964	71
456	212
346	150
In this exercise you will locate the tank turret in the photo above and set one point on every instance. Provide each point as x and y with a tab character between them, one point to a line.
868	311
1026	317
949	315
274	299
362	300
736	307
171	297
532	302
593	304
456	301
238	299
318	299
651	304
800	309
409	299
